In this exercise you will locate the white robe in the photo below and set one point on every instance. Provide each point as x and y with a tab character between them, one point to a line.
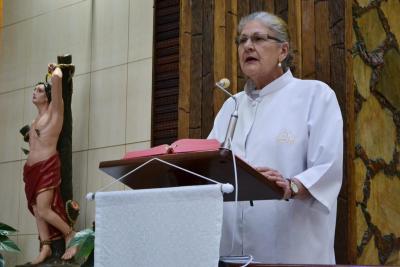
293	126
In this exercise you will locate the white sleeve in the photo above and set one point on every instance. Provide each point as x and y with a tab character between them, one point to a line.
323	176
221	121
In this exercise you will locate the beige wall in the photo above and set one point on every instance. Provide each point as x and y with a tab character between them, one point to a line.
111	45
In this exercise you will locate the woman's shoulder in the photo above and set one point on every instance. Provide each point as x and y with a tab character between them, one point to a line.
313	87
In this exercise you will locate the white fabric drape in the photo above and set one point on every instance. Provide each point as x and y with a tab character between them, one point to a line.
179	226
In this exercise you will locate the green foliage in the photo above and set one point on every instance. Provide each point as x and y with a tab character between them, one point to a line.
85	242
6	244
6	229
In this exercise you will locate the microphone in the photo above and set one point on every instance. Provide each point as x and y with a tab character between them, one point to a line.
226	145
224	82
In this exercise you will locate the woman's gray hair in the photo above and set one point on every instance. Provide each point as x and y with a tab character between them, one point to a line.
276	25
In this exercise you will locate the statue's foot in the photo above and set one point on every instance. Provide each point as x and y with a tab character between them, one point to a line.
45	252
69	252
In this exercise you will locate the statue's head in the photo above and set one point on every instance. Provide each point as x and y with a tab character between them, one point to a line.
47	89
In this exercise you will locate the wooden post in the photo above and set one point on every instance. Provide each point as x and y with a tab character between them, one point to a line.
349	153
64	145
219	55
294	25
308	32
185	52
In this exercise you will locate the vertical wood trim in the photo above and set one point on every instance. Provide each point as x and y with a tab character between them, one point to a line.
269	6
308	39
219	48
206	8
322	41
231	62
199	37
294	25
350	136
185	51
242	10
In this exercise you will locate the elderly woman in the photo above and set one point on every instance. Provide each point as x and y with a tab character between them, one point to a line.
291	131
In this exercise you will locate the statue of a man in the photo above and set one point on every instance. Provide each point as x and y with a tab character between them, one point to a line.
42	169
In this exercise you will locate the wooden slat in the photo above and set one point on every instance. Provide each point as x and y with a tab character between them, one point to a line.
207	93
167	116
322	41
167	35
219	46
162	109
167	43
166	71
349	151
173	25
166	126
167	19
166	76
196	85
167	59
242	10
167	51
282	8
167	84
185	45
231	54
308	39
167	11
167	68
170	134
294	25
167	3
200	9
269	6
256	5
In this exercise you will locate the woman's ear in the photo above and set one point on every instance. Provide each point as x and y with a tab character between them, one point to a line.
284	51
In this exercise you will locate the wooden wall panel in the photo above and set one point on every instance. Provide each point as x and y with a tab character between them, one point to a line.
207	69
208	53
166	77
220	58
231	66
308	32
322	42
294	28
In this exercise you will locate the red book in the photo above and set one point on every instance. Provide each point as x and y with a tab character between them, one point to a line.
179	146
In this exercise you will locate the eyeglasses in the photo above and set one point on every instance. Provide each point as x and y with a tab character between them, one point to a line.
257	38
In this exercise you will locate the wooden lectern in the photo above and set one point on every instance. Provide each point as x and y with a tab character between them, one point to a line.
252	184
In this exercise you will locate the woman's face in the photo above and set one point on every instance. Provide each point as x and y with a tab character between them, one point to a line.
259	55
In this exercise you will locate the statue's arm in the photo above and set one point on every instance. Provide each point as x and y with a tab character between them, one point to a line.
56	103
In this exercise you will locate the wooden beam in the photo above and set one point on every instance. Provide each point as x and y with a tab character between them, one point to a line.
231	62
242	10
350	136
185	50
269	6
308	32
199	36
294	25
219	48
322	42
